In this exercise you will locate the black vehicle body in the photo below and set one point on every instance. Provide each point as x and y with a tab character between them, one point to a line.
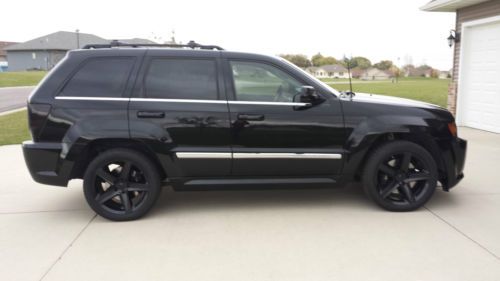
197	144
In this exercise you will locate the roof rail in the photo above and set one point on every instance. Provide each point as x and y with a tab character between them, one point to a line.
115	43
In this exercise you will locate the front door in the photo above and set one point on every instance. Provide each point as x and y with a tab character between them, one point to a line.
179	109
274	136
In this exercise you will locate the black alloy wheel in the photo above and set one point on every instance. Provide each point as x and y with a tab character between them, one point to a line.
121	184
400	176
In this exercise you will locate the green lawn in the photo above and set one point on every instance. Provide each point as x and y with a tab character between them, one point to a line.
14	128
23	78
425	89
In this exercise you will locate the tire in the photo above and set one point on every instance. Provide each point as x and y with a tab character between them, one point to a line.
121	184
400	176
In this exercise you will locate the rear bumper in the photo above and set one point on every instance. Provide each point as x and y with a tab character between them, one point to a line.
45	163
454	158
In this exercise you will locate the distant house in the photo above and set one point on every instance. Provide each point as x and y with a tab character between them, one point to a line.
3	54
357	72
45	52
444	74
329	71
376	74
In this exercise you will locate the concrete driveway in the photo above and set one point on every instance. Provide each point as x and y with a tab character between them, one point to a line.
49	233
14	97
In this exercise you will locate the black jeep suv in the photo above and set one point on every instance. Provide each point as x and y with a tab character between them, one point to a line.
129	118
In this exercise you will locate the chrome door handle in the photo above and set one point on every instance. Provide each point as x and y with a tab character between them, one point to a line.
251	117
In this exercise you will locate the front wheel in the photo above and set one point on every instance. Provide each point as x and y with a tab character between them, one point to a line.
121	184
400	176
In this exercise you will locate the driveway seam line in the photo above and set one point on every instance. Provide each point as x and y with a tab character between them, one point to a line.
463	234
67	248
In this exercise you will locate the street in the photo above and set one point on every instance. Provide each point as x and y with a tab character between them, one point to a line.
13	97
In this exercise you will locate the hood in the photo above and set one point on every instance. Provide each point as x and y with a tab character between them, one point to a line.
381	99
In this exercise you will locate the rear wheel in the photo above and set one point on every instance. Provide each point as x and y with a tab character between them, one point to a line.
121	184
400	176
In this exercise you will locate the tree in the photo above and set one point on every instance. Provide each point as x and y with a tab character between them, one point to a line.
297	59
360	62
319	60
316	59
408	70
383	65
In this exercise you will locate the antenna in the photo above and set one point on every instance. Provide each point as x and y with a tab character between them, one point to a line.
348	64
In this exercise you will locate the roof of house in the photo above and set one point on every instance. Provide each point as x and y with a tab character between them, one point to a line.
61	40
449	5
136	41
65	40
333	68
3	45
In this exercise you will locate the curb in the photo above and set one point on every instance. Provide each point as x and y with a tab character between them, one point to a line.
12	111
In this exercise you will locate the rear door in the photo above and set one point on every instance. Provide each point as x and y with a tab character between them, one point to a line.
272	134
179	109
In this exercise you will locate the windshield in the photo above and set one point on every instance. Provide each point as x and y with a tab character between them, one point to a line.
326	86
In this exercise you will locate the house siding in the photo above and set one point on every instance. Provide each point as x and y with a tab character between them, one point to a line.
479	11
23	60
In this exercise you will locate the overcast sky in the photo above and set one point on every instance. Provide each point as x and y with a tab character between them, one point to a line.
384	29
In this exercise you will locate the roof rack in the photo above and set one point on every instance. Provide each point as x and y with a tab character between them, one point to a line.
115	43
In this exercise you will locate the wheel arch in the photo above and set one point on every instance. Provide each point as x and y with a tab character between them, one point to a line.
359	156
83	154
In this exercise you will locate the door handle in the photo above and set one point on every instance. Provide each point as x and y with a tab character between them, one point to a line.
251	117
150	114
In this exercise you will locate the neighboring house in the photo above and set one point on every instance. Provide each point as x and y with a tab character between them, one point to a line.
444	74
474	91
375	74
329	71
418	72
357	72
45	52
3	55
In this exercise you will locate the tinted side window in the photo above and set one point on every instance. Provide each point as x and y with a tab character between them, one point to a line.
262	82
181	79
100	77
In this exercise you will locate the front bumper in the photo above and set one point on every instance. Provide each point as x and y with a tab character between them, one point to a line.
45	163
454	153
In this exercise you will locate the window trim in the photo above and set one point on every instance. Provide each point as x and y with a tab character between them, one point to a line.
147	66
84	62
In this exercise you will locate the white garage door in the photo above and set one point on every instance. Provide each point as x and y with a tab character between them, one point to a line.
479	88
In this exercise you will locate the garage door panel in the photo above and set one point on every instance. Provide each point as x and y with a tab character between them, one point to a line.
479	89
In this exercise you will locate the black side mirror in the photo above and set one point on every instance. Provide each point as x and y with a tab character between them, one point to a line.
308	94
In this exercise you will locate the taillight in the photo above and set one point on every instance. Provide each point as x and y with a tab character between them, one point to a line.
452	127
37	115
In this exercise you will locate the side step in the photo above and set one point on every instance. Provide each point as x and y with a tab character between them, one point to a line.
252	183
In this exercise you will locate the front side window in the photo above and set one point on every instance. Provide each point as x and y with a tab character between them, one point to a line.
181	79
263	82
100	77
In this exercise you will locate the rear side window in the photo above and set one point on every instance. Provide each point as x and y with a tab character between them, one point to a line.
100	77
181	79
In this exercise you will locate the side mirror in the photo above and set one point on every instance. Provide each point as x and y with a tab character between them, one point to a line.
308	94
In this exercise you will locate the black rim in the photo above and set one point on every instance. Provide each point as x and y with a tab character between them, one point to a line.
403	179
120	187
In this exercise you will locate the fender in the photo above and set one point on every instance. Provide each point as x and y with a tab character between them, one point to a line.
371	132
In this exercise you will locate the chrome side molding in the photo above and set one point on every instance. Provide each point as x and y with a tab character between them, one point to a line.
238	155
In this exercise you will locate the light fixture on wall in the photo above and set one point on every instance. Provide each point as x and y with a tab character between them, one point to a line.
453	38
